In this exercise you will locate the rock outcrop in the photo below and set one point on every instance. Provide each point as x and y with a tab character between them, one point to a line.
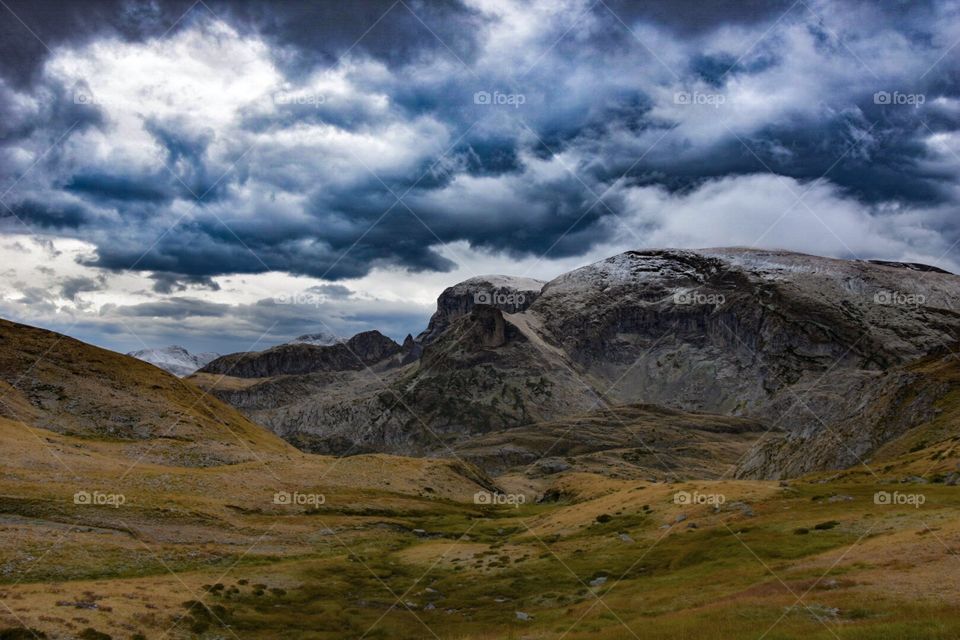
362	350
507	293
792	341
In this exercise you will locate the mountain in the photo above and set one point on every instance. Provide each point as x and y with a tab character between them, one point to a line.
136	505
175	359
507	293
795	342
321	339
57	384
362	350
116	472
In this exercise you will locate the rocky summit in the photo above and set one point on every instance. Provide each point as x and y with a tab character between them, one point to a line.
800	344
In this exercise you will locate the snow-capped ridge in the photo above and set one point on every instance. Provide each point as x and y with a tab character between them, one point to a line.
321	339
175	359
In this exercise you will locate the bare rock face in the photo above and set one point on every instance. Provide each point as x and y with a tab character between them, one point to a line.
795	342
727	330
506	293
362	350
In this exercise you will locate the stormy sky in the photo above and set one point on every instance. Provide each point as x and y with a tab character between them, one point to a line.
229	174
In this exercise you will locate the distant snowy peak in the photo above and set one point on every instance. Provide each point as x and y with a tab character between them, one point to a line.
518	283
322	339
175	359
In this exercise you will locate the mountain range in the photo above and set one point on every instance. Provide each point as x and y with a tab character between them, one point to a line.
659	432
818	353
175	359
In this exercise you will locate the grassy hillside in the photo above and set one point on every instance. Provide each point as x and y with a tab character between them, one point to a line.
608	559
59	384
100	537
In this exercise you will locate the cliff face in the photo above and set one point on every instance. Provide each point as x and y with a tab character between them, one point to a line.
728	330
794	342
362	350
506	293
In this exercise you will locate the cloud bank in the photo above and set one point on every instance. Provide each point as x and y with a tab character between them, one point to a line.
180	149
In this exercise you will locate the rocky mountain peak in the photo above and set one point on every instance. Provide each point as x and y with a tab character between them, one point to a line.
360	351
174	359
509	294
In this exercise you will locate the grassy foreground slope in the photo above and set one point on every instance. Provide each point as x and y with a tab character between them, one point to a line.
62	385
608	559
217	540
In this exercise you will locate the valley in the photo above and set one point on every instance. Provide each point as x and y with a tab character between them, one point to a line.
596	461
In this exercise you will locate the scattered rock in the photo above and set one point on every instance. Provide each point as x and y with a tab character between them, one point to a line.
524	617
839	498
549	466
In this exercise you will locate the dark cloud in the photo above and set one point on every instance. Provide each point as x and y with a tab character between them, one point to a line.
49	215
73	286
166	282
176	308
308	184
39	299
309	33
116	187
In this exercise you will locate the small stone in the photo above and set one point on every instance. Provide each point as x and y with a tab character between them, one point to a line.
839	498
524	617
